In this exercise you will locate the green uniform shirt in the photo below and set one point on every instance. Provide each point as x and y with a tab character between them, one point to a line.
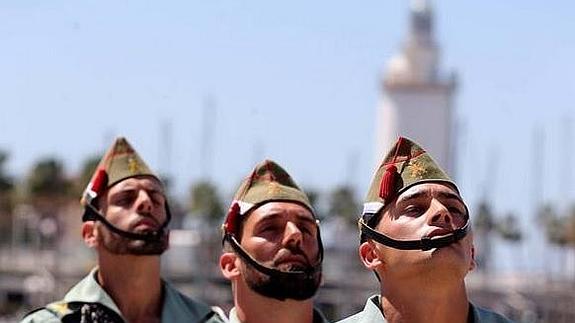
176	308
317	316
372	314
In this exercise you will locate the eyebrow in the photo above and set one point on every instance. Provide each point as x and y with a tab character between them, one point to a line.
411	196
273	213
155	191
450	196
130	190
307	219
419	194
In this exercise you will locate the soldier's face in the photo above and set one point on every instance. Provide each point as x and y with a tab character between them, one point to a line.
283	236
426	210
136	205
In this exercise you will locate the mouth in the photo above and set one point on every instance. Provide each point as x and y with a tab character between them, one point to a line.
290	262
146	225
439	233
293	263
291	266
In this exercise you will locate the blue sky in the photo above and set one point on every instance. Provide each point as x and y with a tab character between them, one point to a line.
294	81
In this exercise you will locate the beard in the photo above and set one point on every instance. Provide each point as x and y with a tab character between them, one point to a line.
118	245
283	285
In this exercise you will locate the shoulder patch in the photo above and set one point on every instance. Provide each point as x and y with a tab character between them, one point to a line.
60	309
76	312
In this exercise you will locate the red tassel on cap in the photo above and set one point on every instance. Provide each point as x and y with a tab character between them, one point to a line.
388	183
232	218
389	180
100	181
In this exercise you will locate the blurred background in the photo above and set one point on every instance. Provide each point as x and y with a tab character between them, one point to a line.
205	90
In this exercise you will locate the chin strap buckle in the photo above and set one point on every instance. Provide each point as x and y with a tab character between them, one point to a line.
426	243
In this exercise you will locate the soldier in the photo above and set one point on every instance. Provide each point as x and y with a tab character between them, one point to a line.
415	236
125	220
272	250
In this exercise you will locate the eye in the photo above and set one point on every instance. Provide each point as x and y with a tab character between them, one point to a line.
455	210
458	212
157	199
413	210
123	199
268	228
306	229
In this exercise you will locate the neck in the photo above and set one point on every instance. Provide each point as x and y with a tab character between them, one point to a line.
433	302
134	283
252	307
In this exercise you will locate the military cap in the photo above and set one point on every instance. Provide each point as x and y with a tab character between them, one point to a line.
120	162
405	165
268	182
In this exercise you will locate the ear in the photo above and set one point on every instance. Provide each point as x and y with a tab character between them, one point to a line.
90	234
229	265
369	256
473	264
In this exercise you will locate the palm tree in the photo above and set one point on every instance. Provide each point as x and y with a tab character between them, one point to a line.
342	203
206	206
6	200
87	170
569	227
551	221
48	191
47	180
484	226
313	196
205	202
508	228
5	180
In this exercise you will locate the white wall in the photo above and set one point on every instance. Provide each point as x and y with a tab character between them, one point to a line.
422	114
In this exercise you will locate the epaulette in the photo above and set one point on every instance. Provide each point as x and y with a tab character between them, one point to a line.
82	312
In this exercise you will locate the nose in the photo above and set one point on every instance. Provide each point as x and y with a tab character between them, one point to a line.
292	235
440	215
144	202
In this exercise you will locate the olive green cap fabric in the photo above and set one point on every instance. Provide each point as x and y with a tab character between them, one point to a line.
120	162
269	182
406	165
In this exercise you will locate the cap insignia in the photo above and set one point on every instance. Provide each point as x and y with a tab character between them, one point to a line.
274	188
418	170
133	165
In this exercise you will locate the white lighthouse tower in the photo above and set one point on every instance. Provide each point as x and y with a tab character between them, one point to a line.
417	96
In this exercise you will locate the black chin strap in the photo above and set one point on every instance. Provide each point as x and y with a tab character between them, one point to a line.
299	274
91	214
425	243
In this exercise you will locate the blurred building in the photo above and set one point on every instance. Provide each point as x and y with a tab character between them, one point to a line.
417	96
